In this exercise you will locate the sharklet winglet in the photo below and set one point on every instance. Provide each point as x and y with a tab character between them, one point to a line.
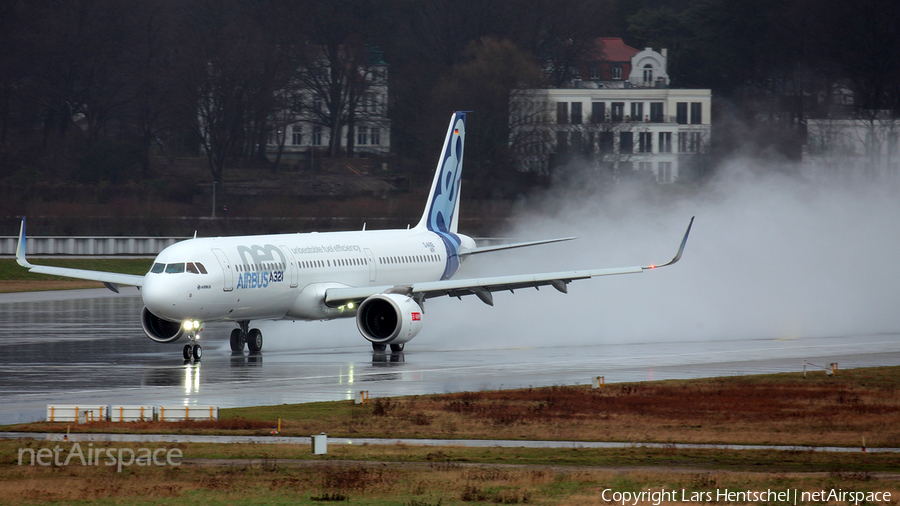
22	247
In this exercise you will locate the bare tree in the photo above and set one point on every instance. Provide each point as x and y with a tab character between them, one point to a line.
226	80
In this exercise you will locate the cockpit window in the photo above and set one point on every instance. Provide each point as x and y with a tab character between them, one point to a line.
175	268
192	268
158	268
201	268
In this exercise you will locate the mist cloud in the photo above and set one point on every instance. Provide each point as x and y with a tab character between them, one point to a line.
770	256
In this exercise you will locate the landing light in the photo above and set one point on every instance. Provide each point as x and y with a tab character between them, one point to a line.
190	325
350	305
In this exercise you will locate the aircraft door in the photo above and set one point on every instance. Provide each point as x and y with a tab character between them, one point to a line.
227	270
292	266
373	270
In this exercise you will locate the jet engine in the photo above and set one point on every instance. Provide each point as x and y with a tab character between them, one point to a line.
161	331
389	318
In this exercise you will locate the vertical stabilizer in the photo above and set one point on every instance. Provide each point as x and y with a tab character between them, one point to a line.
442	209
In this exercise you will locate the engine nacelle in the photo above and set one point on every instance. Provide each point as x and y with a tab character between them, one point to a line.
161	331
389	318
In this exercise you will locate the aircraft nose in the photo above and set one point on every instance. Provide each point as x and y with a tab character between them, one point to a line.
155	296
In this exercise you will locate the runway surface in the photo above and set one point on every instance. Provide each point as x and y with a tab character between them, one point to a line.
86	347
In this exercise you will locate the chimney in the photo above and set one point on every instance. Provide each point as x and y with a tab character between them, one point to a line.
665	53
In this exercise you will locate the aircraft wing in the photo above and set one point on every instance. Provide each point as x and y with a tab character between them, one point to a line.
483	287
112	280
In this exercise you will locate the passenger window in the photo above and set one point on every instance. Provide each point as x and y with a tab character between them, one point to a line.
192	268
175	268
158	268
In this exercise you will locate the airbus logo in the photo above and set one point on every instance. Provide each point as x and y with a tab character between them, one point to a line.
259	279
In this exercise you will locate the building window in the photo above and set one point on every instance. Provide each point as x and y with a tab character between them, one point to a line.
317	136
664	172
617	72
362	135
617	111
645	142
577	142
598	112
562	113
696	113
648	74
689	142
317	105
576	113
562	142
606	142
626	142
637	111
370	103
296	136
656	112
595	72
665	142
375	139
645	166
681	110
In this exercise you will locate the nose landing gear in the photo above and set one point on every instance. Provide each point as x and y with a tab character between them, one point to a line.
192	350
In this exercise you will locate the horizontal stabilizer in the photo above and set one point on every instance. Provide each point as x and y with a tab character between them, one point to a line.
486	249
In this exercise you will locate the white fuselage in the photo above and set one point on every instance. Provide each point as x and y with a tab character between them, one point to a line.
285	276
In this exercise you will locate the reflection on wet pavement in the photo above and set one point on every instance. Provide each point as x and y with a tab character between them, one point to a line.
87	346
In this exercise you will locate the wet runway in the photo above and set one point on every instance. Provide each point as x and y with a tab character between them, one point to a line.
87	347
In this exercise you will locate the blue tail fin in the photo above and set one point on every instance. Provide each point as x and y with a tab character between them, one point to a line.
442	209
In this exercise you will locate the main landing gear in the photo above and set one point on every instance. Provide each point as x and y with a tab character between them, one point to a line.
253	338
381	348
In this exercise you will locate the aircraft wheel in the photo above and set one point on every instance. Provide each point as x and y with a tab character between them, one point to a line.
254	340
396	348
237	341
198	352
379	347
187	352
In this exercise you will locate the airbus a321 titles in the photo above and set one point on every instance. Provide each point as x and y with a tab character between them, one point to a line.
380	277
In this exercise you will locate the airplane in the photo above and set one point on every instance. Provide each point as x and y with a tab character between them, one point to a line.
380	277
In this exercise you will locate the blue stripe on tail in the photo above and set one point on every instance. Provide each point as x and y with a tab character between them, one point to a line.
447	181
441	209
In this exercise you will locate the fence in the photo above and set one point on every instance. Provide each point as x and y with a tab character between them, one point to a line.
48	245
80	413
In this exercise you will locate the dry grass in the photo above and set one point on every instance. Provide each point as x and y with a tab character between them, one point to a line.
439	483
777	409
782	409
773	409
229	425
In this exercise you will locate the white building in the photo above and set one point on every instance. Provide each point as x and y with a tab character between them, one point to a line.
301	129
620	116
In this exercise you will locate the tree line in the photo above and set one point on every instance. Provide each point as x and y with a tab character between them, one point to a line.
90	90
